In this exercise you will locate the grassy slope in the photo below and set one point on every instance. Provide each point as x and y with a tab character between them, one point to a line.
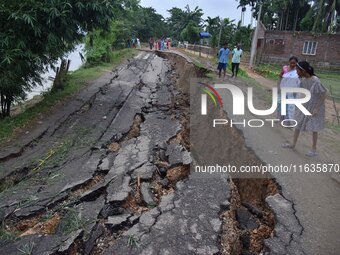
75	82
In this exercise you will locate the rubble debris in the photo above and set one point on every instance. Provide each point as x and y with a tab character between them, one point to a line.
177	155
178	173
147	195
246	219
115	222
145	172
105	165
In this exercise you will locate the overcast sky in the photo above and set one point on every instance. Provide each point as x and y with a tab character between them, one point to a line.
212	8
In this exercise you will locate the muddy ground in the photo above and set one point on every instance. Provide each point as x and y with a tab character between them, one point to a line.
109	173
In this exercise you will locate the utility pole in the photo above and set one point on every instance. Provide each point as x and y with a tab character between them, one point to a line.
219	37
254	42
252	15
242	17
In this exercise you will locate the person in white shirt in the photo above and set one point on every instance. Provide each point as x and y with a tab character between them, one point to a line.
288	78
236	60
138	44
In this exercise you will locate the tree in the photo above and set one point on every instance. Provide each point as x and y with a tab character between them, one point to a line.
228	32
243	35
147	23
191	32
131	21
317	16
176	21
34	34
213	26
179	19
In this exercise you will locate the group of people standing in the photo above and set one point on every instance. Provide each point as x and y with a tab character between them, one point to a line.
160	44
223	58
295	75
133	43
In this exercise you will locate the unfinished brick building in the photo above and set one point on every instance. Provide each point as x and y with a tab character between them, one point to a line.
322	50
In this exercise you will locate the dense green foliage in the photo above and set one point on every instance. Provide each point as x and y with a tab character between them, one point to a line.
191	32
130	21
183	22
34	34
226	31
301	15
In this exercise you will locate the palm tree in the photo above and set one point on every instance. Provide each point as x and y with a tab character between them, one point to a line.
212	24
298	4
319	4
195	15
325	15
333	11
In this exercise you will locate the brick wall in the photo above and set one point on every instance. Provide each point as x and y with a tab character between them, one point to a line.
278	46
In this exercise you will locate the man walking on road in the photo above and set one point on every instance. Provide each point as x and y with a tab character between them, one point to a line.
236	60
223	59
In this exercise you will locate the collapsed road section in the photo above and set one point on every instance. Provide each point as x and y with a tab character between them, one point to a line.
109	173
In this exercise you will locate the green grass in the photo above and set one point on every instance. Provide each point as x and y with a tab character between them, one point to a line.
198	64
271	72
333	126
329	79
73	221
59	152
132	242
26	249
211	75
6	235
241	72
75	82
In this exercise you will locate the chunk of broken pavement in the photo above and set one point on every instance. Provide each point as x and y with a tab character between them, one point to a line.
146	193
105	165
117	221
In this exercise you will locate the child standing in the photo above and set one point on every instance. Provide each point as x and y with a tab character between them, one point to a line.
288	78
316	106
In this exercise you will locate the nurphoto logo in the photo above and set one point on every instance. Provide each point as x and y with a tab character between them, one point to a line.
238	99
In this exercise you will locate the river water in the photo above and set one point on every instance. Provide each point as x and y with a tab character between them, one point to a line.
76	63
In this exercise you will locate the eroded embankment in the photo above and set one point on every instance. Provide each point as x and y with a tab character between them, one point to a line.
248	221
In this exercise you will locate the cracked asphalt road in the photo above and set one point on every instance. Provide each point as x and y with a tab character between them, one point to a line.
185	222
82	164
107	173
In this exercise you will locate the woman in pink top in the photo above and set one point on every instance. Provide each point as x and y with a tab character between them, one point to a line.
288	78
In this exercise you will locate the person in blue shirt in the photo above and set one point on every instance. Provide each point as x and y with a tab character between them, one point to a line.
223	59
